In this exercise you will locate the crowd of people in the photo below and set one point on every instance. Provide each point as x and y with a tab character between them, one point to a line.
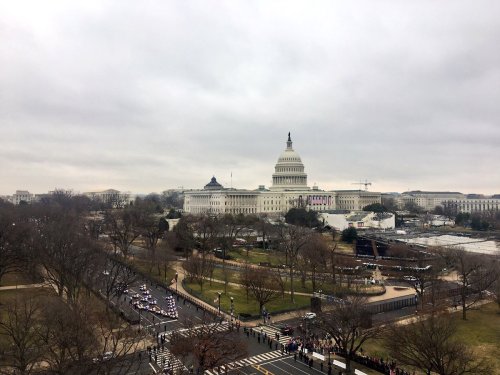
302	349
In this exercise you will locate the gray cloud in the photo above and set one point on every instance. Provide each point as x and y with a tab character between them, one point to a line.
148	96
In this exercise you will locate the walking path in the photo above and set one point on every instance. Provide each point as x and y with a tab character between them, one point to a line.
24	286
391	292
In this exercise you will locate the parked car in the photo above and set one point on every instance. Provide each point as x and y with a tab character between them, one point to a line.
409	278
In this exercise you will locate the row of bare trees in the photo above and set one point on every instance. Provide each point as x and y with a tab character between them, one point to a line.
44	334
472	276
429	343
62	332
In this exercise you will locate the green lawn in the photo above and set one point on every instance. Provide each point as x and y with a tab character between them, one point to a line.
326	286
242	306
256	256
482	331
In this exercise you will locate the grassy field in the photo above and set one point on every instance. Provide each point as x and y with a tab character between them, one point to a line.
481	331
242	306
326	286
342	247
7	296
17	278
256	256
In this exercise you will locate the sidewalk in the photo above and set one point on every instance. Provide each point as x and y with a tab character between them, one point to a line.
23	286
391	292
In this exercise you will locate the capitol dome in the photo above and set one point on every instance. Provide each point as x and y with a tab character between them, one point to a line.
289	171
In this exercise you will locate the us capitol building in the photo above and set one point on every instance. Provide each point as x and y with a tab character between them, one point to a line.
289	189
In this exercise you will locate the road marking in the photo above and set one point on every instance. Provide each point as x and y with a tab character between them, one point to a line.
264	371
289	364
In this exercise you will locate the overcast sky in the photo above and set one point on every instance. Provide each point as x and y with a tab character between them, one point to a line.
143	96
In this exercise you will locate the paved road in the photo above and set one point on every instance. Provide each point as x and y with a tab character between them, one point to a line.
282	365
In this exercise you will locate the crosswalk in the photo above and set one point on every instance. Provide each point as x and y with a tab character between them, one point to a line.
185	332
164	359
256	359
271	331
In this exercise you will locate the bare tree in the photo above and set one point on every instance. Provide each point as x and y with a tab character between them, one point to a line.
333	260
115	278
67	258
198	269
430	344
349	325
262	284
292	240
164	257
151	227
20	329
69	336
11	235
476	274
245	278
313	257
123	227
117	338
210	344
424	271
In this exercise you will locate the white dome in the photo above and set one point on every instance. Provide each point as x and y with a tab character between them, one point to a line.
289	170
289	156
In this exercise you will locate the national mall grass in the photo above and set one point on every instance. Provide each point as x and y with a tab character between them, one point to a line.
241	305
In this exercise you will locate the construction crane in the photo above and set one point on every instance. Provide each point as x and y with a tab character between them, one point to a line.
366	183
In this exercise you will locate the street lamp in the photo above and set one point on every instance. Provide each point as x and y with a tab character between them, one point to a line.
219	293
232	308
176	277
139	319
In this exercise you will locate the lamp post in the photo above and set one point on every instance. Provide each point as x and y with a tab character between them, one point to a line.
176	277
219	293
232	309
416	303
139	319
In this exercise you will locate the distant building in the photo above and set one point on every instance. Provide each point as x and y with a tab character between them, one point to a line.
355	200
289	189
427	200
359	220
111	197
21	196
453	202
473	205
